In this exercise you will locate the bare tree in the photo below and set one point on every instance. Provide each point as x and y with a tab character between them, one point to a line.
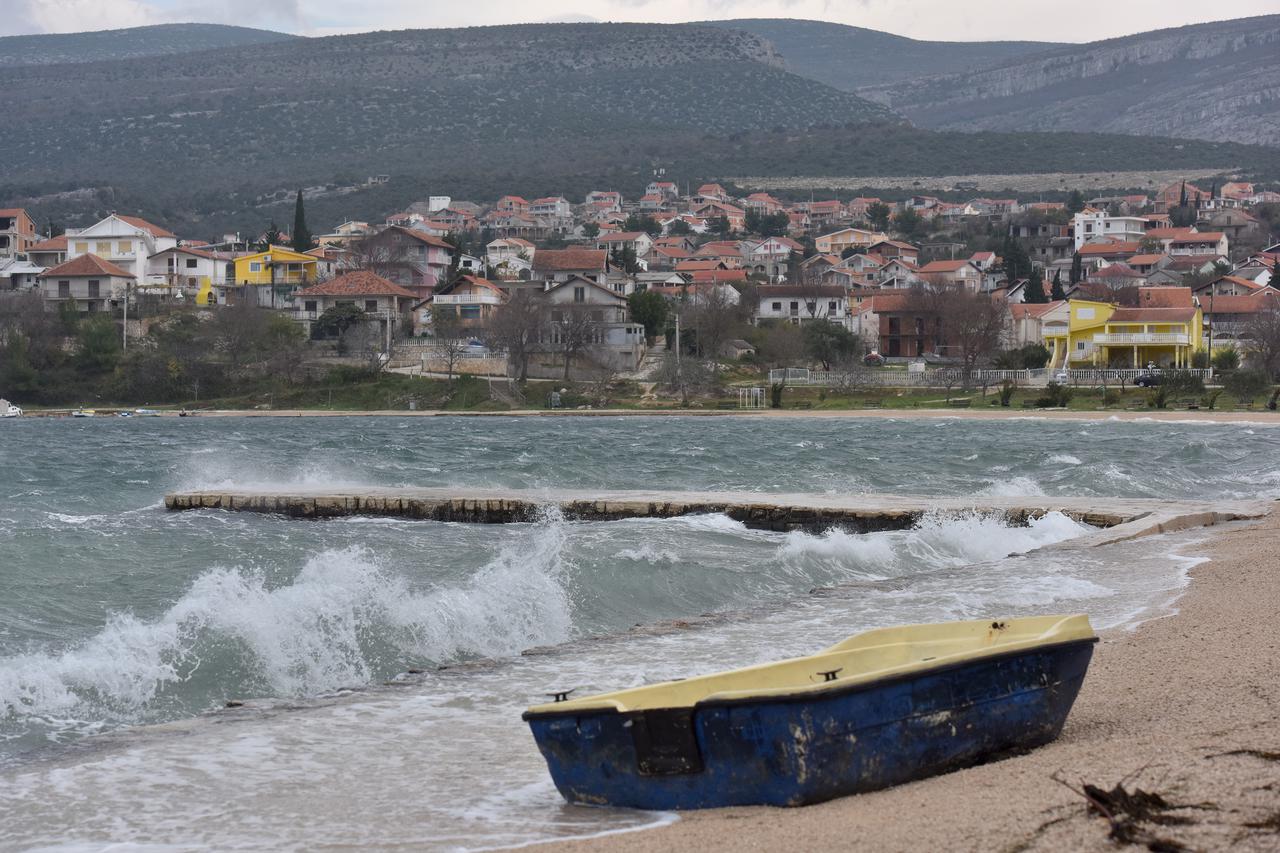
783	345
971	324
515	328
449	337
379	256
575	329
713	317
1263	332
239	331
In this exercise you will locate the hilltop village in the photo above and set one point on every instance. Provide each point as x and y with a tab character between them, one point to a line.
600	290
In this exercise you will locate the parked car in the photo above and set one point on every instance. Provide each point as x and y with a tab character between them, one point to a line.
873	359
1148	380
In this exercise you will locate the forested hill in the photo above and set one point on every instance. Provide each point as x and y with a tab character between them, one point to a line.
852	58
159	40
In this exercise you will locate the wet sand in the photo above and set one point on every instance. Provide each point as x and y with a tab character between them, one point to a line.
1162	709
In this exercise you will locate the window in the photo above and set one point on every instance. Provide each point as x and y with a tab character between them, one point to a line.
371	305
469	312
831	307
295	267
309	305
777	306
1079	345
255	266
126	247
342	303
93	289
191	263
795	307
64	289
103	248
579	294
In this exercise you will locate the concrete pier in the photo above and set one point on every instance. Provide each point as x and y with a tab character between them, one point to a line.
1123	517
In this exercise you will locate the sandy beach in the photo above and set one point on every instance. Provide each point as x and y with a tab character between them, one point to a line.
1187	707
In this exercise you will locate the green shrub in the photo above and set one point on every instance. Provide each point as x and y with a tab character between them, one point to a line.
1245	385
1158	398
1184	382
1006	393
1227	358
1055	396
1110	397
775	395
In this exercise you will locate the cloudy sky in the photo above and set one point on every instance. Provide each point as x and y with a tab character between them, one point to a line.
953	20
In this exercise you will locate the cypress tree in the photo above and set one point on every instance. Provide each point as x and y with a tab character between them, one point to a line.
1077	269
1058	293
301	236
1034	293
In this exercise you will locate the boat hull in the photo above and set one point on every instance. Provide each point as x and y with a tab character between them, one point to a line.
792	751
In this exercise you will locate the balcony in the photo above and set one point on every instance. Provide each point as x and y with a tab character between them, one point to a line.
1143	339
467	299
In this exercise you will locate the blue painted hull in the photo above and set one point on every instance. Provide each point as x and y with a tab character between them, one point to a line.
792	751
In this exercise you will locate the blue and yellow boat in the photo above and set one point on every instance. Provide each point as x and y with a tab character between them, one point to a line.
880	708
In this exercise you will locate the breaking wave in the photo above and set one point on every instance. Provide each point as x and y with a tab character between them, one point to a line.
344	620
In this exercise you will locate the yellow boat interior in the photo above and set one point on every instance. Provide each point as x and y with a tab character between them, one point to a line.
862	658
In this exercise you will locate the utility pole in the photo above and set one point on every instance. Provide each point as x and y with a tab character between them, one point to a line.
684	394
1211	288
124	345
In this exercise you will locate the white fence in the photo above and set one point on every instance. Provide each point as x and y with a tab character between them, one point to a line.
954	377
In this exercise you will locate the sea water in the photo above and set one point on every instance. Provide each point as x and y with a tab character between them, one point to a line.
377	668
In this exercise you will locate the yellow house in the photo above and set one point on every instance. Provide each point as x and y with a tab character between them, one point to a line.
277	265
1100	334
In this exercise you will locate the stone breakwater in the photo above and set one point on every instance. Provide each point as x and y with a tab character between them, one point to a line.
1121	518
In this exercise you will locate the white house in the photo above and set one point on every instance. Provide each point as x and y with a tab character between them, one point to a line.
1092	224
125	241
802	303
184	270
87	282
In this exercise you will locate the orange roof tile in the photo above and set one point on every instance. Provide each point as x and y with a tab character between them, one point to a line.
86	265
358	283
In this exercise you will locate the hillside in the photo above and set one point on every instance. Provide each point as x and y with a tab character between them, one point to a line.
1217	81
532	99
220	140
160	40
851	58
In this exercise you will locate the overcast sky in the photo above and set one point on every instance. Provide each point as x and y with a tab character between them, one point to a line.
951	20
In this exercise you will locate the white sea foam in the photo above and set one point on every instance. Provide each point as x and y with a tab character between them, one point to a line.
302	638
1013	487
646	553
1065	459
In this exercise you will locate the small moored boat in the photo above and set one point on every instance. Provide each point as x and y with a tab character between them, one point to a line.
880	708
84	413
9	410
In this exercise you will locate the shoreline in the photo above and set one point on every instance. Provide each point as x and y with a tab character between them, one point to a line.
1251	417
1186	706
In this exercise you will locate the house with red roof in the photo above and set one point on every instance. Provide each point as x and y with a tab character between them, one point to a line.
49	252
1199	243
186	270
472	299
125	241
1092	225
17	232
735	216
512	204
762	203
1231	316
556	266
383	302
836	242
963	273
1030	322
637	241
711	192
409	257
88	282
